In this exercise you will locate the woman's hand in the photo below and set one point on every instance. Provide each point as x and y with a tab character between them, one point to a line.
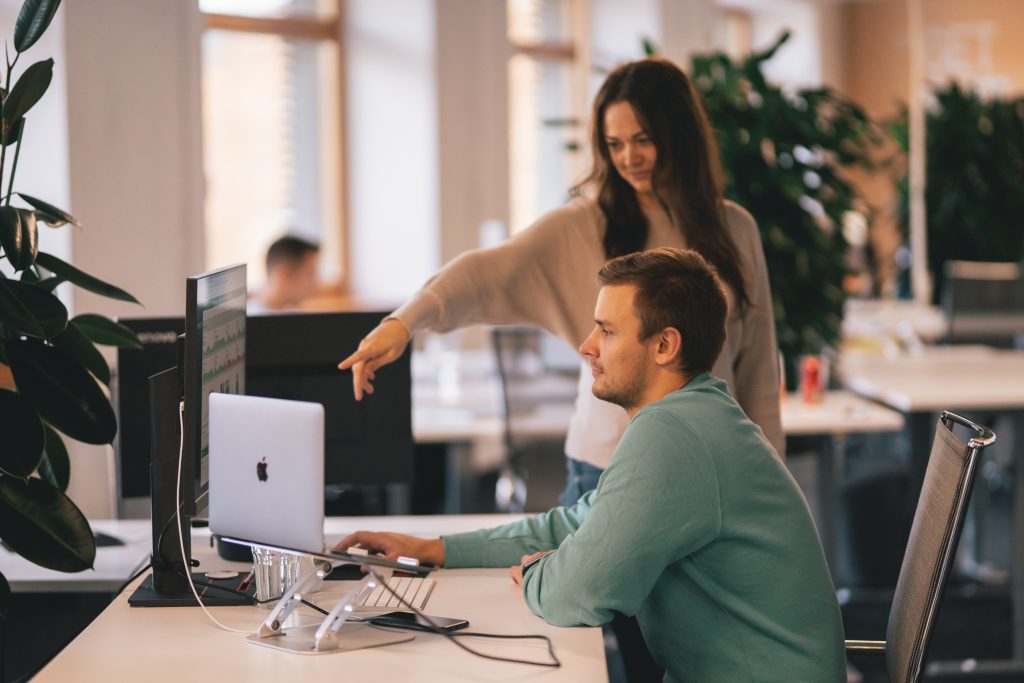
383	345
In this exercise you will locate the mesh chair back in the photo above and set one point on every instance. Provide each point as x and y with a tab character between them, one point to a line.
984	301
941	508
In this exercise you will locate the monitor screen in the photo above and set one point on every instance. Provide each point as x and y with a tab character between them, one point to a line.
291	356
296	355
214	350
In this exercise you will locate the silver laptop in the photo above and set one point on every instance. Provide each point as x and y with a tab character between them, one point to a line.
267	471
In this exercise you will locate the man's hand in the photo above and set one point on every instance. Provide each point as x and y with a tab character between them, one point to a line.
383	345
516	570
389	546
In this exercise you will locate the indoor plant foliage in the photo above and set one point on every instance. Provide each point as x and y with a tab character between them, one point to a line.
57	370
974	172
783	155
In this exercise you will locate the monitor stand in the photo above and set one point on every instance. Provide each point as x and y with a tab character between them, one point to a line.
167	585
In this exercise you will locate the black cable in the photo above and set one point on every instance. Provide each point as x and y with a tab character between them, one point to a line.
253	598
452	636
133	577
434	628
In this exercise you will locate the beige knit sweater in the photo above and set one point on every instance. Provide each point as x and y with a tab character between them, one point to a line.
547	275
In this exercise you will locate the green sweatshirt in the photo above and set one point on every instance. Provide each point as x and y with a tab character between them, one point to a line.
698	529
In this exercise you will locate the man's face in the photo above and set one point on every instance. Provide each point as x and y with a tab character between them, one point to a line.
619	361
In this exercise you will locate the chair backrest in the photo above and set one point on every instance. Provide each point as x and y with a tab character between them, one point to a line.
952	466
984	301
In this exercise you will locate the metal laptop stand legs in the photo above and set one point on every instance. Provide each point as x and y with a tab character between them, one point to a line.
334	634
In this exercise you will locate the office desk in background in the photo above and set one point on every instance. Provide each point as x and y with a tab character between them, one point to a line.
961	379
174	644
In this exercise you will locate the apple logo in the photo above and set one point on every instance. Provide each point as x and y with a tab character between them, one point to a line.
261	470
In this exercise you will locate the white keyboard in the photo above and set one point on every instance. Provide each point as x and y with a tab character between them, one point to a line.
414	590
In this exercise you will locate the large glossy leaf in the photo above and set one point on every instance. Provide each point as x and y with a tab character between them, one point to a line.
32	311
34	17
78	345
62	391
5	597
49	213
42	525
56	458
21	435
13	131
107	332
68	272
19	236
27	91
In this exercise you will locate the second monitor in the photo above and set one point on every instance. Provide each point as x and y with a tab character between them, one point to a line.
291	356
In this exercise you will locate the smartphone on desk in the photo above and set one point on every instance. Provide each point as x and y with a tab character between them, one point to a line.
415	622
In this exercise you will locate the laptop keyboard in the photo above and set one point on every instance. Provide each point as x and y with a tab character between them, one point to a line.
414	590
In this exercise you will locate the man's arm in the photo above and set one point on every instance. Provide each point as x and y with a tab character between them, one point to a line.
657	503
483	548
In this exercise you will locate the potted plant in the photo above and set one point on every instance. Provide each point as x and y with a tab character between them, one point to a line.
58	373
974	151
783	155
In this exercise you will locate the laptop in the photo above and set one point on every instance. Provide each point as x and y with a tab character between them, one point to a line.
267	470
267	477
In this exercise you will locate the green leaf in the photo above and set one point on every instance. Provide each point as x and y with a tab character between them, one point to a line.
32	311
56	458
21	435
27	91
19	236
78	345
68	272
34	17
42	525
48	213
13	131
62	391
5	598
107	332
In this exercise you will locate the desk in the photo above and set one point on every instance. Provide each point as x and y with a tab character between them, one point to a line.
114	564
957	378
174	644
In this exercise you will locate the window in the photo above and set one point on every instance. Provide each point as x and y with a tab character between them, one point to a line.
272	130
547	105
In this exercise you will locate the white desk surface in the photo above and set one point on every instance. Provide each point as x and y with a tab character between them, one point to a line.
841	412
940	377
172	644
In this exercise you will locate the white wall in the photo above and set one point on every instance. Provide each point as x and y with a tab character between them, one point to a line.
392	149
135	171
473	120
43	163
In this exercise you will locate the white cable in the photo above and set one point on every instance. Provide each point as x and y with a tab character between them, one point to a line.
181	535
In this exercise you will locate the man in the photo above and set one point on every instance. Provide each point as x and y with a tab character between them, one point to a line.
292	264
696	527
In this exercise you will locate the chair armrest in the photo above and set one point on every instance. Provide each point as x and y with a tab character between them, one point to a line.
865	647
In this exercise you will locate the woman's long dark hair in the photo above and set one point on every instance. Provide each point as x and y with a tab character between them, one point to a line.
687	178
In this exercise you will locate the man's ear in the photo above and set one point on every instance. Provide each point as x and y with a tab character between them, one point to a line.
670	346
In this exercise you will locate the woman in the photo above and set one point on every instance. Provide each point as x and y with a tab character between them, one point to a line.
658	182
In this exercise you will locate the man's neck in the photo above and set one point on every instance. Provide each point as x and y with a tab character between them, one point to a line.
661	387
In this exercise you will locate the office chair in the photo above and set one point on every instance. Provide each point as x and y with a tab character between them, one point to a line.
941	508
984	302
515	351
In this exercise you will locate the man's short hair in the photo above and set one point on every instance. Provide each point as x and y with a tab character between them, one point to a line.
675	288
290	250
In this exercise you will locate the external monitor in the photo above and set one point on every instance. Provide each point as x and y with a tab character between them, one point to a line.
295	356
159	339
214	360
